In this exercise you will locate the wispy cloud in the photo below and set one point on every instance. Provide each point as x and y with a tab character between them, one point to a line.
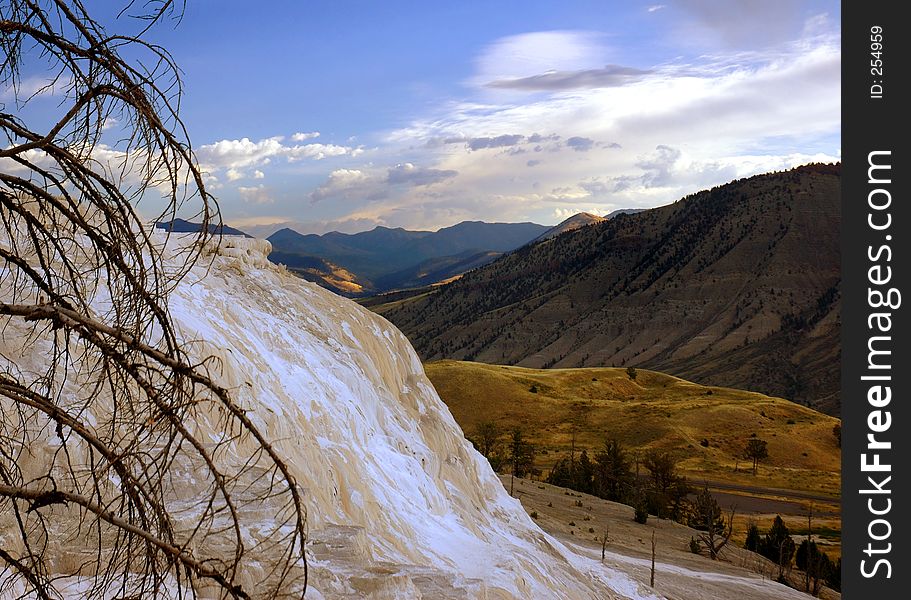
408	173
255	195
550	123
608	76
499	141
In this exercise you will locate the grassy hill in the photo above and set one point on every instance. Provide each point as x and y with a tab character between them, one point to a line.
653	411
736	286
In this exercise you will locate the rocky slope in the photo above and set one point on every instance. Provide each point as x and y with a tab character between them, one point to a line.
735	286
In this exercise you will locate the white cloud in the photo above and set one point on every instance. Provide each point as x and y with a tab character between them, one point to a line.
530	54
582	141
656	7
233	174
343	183
34	87
245	153
255	195
304	136
257	174
410	174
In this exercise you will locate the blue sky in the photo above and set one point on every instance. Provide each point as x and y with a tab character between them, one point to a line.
430	113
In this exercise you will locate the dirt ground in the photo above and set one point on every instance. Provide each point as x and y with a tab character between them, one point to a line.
581	520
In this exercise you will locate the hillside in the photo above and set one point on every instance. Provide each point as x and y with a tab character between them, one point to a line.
735	286
574	222
654	411
384	259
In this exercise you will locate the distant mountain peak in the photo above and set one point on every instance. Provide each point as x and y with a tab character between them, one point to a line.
574	222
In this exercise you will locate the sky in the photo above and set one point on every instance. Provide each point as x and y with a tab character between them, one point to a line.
343	115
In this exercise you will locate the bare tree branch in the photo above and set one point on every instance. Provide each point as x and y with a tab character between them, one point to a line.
104	474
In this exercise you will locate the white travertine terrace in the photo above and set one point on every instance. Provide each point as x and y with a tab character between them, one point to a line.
399	503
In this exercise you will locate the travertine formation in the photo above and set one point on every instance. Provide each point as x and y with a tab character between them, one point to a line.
399	504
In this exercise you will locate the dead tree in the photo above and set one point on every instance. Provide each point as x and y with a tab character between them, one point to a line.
652	579
99	399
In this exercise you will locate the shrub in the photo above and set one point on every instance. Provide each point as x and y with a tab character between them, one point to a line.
695	548
641	515
533	389
704	443
533	514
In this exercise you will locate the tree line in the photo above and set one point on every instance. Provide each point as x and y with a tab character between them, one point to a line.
613	474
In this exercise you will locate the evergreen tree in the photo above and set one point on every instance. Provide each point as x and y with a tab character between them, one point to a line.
815	564
753	539
584	474
521	455
777	545
613	477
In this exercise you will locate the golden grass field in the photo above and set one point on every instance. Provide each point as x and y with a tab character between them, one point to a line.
654	411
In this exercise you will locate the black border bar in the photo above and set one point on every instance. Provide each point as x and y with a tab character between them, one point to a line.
875	223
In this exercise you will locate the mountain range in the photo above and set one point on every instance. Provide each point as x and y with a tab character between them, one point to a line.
736	286
184	226
385	259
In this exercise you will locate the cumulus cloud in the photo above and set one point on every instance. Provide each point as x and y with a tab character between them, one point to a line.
607	76
580	144
658	165
340	183
407	173
257	174
233	174
245	153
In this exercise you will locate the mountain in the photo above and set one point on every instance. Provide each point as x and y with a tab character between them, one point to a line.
398	503
576	221
322	272
435	270
184	226
383	259
736	286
